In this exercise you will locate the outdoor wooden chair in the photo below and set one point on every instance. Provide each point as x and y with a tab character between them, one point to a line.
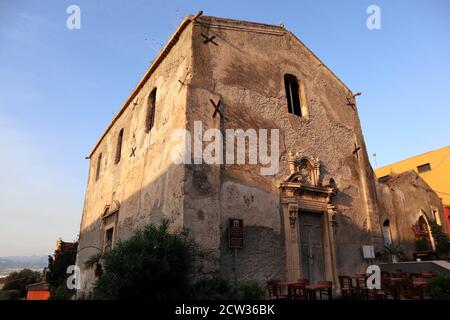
328	291
347	290
297	291
418	289
274	290
361	289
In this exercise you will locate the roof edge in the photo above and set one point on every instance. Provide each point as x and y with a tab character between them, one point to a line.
173	40
156	62
275	28
409	158
320	61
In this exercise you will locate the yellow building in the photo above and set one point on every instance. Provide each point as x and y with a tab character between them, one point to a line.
433	167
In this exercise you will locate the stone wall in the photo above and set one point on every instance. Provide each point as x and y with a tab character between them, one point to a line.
403	198
245	72
244	69
145	183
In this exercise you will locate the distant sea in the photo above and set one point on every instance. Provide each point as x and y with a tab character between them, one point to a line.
11	264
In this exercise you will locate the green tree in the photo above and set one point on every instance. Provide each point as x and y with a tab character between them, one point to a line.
440	287
213	289
56	275
440	237
19	281
153	264
251	290
9	295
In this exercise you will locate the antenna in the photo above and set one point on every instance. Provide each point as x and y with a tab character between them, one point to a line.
153	44
177	20
375	162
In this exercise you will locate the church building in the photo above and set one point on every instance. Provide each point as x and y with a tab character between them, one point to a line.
306	213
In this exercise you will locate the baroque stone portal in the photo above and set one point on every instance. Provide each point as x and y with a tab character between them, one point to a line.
308	211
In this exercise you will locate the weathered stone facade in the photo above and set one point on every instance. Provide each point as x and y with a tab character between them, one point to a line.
324	182
404	199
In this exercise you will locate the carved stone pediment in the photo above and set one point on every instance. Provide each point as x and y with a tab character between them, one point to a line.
303	185
304	169
110	209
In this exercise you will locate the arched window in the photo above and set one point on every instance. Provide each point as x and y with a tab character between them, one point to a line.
387	237
425	231
97	170
295	95
151	108
119	146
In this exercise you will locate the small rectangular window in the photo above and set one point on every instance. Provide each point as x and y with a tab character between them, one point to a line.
151	109
292	94
436	216
97	170
424	168
109	239
119	147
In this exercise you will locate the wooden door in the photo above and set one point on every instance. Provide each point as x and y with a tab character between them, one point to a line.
311	246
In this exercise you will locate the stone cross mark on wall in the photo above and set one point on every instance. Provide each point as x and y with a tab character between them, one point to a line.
351	103
185	77
209	39
217	108
351	100
356	150
133	152
135	103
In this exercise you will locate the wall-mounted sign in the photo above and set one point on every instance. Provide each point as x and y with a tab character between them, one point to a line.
368	252
236	233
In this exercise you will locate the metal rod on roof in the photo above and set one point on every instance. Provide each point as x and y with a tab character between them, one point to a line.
197	15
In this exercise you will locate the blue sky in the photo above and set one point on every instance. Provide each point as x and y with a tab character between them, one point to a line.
59	88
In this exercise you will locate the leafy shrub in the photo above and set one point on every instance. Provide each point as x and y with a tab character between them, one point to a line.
56	275
251	290
221	289
440	287
394	250
9	294
153	264
441	238
213	289
421	245
19	280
